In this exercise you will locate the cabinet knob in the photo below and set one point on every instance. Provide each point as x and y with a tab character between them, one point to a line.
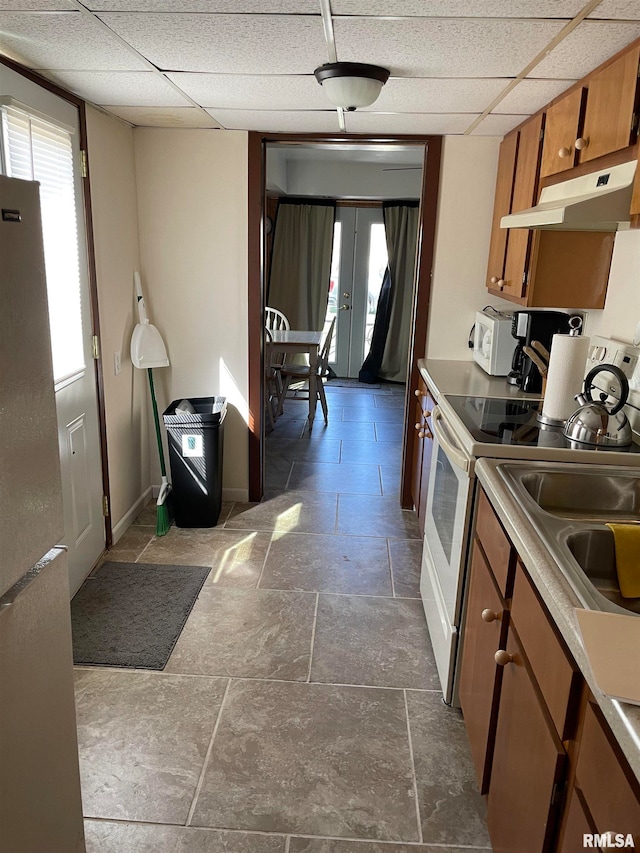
501	283
581	143
564	152
502	657
426	413
421	434
418	426
416	393
489	615
494	279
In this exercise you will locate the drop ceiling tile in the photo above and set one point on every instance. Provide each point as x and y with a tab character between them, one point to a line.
529	96
421	123
585	48
437	95
251	92
242	44
457	9
124	88
264	7
273	122
36	6
427	47
623	10
164	117
497	125
63	40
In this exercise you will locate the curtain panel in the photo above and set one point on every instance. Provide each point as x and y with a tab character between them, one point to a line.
301	261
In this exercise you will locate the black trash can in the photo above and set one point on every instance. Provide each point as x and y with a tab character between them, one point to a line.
195	456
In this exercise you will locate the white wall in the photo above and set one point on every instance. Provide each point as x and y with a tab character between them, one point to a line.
192	201
465	209
351	180
115	220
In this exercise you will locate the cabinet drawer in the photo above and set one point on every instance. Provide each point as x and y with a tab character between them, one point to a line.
609	794
557	676
496	546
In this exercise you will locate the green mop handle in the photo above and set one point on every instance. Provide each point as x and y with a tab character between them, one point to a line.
163	469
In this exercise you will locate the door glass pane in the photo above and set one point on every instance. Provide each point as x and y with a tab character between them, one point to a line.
334	288
377	265
445	502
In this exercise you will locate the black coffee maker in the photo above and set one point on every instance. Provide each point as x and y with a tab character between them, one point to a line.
530	326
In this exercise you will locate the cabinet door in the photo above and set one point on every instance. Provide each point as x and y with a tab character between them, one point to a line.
501	207
528	760
525	191
480	676
577	825
416	465
562	128
611	103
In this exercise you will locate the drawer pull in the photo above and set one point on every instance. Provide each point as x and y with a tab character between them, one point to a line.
501	283
581	143
494	279
502	657
564	152
490	615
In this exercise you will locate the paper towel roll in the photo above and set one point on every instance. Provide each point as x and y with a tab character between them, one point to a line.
565	379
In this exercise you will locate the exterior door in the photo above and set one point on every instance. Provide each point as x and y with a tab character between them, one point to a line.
43	145
357	270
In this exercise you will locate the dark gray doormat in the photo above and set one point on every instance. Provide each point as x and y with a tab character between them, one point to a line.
131	614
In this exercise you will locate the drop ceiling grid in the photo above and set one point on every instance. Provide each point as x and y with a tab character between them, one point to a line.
590	44
64	41
445	47
252	92
243	44
121	88
165	117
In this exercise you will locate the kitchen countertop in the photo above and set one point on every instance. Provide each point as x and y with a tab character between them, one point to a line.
560	600
468	378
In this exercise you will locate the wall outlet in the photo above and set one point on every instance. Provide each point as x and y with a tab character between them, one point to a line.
117	362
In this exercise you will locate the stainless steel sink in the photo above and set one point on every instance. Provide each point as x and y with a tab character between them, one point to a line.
585	494
568	506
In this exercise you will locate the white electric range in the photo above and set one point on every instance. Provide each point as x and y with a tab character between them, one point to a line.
465	428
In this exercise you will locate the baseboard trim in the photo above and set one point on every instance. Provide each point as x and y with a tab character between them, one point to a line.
130	516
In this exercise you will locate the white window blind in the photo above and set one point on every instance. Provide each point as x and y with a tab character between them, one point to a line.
36	150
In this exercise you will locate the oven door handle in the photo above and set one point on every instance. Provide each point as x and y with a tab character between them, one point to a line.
454	454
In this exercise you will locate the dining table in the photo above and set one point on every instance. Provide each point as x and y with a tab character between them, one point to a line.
301	340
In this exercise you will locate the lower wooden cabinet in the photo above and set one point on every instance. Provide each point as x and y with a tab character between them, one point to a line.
480	676
422	446
528	764
576	827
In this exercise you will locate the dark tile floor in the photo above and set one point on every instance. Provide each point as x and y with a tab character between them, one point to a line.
300	710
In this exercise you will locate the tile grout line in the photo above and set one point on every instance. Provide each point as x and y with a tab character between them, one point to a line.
266	557
313	637
393	586
413	767
205	763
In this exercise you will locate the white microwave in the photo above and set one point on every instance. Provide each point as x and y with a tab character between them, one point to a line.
493	343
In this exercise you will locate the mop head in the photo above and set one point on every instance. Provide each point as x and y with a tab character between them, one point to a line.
163	513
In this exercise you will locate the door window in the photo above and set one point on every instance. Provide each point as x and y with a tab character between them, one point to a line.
36	150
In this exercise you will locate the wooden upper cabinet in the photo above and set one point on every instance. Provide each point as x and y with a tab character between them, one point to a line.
502	207
525	195
610	119
562	127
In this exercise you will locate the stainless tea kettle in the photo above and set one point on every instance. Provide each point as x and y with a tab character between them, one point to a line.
595	424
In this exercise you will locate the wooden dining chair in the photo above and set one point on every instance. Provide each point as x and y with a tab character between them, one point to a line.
272	380
301	372
275	320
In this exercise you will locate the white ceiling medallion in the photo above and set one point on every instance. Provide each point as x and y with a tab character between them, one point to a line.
351	84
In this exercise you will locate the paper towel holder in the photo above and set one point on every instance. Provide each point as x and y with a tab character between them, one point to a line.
546	421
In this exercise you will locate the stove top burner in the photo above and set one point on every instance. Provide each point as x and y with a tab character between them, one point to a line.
493	420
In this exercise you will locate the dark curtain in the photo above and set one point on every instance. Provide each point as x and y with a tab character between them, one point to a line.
390	337
301	261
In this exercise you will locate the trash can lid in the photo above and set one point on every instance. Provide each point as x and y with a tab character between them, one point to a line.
208	411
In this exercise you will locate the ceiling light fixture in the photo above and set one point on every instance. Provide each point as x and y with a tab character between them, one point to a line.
351	84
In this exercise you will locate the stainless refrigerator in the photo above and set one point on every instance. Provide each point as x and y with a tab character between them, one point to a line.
40	803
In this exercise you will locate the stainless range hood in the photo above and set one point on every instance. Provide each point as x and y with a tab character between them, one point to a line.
599	201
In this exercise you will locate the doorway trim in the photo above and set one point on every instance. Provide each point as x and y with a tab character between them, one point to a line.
256	286
91	270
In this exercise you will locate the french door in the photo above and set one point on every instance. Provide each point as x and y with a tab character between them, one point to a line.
43	145
357	269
